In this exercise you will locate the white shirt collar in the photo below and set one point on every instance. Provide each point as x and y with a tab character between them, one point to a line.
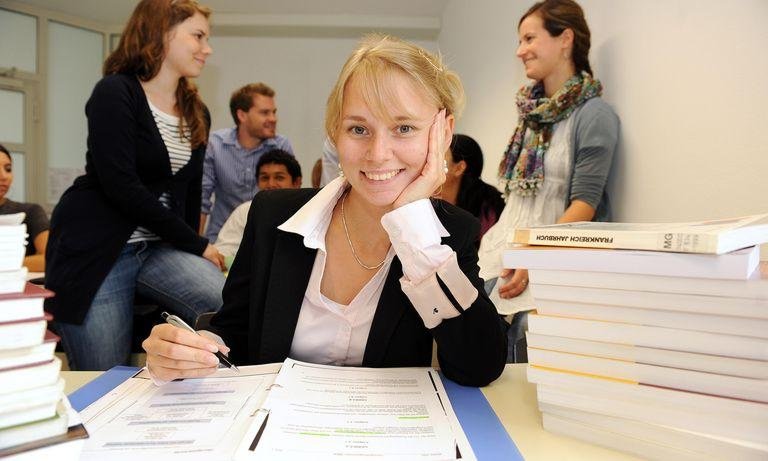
312	219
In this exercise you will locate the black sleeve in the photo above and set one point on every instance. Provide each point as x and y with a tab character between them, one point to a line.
114	128
472	348
195	187
192	203
232	322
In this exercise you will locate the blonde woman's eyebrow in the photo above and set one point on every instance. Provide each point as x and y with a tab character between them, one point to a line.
355	118
396	119
406	118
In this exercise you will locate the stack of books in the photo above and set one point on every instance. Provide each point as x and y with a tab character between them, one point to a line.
13	238
35	417
662	354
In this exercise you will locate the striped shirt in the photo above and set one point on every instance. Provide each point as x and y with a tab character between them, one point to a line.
179	152
229	174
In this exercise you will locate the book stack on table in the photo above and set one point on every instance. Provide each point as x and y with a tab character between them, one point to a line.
13	244
657	353
35	417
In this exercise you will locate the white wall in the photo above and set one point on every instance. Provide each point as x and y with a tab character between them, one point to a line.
71	78
301	70
688	78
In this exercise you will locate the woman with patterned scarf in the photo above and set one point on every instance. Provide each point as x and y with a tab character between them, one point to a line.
556	166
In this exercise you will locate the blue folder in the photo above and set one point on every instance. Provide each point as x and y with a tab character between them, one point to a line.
485	432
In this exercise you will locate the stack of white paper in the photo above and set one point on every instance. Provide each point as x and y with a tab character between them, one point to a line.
13	246
305	411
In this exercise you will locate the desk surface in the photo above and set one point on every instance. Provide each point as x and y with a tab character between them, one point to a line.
513	399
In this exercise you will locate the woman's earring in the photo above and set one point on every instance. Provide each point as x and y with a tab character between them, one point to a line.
341	172
445	166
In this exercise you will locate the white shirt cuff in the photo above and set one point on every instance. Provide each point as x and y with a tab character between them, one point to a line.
432	302
415	232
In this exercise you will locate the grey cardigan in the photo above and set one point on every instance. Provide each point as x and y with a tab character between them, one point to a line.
594	141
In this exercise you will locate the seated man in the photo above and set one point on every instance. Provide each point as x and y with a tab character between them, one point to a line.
277	169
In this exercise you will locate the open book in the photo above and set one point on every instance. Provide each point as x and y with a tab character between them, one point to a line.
292	410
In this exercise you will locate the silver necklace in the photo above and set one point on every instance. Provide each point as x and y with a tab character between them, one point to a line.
349	240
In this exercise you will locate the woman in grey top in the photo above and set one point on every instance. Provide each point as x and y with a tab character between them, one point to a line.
556	166
35	217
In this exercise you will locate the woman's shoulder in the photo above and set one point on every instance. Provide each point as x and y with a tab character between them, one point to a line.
35	215
454	218
10	207
116	84
280	204
286	197
116	94
596	105
596	108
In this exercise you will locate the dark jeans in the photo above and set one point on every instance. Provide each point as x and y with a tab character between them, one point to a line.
185	284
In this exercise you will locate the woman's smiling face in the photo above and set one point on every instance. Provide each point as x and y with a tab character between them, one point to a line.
540	52
383	149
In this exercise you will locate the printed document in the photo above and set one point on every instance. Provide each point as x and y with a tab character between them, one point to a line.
322	412
190	419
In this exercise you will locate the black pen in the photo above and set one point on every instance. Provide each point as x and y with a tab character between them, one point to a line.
177	322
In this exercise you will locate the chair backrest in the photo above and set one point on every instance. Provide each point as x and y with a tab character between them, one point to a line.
203	321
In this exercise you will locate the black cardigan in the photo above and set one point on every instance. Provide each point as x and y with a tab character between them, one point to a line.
127	169
265	289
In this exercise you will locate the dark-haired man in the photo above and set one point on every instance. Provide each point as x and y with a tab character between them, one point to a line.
276	169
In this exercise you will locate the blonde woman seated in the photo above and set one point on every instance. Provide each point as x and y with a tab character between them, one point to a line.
367	271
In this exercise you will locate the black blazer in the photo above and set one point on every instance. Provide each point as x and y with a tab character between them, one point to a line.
127	169
265	289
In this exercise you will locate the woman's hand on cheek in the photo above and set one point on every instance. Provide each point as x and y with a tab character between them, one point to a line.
432	175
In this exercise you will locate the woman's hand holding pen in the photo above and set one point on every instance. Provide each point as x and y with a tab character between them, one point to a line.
177	353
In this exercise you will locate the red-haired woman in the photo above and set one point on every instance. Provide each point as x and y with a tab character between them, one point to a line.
128	225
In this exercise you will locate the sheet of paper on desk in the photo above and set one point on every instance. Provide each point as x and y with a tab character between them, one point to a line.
185	420
319	412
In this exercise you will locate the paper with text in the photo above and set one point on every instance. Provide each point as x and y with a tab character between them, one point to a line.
321	412
187	420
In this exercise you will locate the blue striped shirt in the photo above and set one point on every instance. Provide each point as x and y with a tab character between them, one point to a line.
229	173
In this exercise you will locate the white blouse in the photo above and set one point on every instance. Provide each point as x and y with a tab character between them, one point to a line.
329	333
545	207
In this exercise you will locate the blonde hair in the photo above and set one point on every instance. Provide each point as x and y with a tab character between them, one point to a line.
376	61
